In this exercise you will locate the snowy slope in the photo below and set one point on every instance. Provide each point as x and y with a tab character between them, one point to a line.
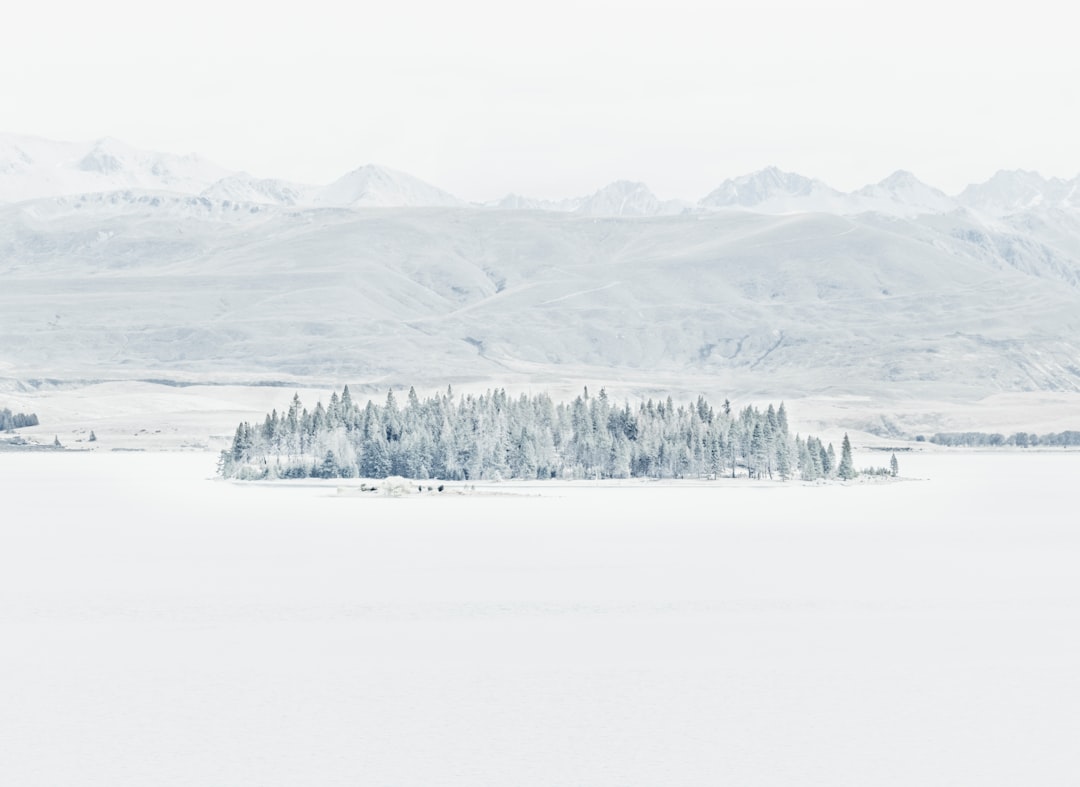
129	285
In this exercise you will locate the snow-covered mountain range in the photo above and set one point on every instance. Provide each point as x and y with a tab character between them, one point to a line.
621	198
128	265
31	168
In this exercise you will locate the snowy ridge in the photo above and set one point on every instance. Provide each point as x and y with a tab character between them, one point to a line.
31	167
242	187
772	190
621	198
901	194
627	198
1016	191
519	202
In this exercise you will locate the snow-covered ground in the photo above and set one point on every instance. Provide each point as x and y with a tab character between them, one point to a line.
164	628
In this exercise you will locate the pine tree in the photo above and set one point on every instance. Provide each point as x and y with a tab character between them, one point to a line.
757	452
817	454
783	458
894	466
732	442
846	470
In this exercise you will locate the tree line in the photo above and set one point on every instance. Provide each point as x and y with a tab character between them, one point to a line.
495	435
10	420
1067	439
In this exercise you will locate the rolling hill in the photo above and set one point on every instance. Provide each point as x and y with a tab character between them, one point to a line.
772	284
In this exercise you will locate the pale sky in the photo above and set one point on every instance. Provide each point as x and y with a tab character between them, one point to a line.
558	98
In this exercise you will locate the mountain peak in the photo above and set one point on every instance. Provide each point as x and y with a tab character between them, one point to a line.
34	167
620	198
373	185
900	194
901	179
772	190
240	187
627	198
104	158
1011	191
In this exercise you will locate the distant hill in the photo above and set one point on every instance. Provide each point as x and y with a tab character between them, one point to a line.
120	263
138	284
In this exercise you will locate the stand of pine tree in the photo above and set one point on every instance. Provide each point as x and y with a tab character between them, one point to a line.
10	420
495	436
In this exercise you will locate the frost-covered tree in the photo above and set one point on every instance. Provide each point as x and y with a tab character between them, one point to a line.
783	459
496	436
894	466
846	469
1065	439
10	420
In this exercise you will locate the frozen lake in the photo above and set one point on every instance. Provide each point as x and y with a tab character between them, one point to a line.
161	628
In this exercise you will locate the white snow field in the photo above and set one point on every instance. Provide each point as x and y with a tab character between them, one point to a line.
164	628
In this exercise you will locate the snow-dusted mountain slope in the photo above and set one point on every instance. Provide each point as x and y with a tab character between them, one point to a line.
772	190
371	186
521	202
137	285
31	167
621	198
1015	191
900	194
242	187
626	198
